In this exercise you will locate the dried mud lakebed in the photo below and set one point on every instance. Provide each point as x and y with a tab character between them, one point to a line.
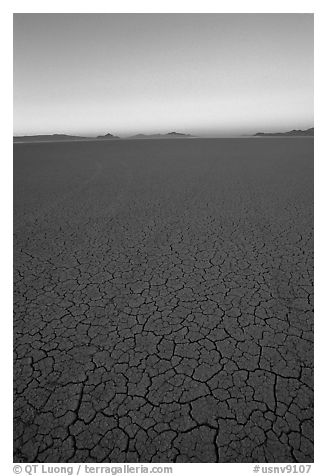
163	301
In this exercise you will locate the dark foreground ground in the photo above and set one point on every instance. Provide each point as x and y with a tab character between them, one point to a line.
163	301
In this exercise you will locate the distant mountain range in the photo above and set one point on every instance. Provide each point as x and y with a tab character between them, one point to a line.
294	132
65	137
170	135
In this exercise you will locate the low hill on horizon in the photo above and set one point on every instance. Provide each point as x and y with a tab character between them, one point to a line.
108	137
169	135
48	137
294	132
60	138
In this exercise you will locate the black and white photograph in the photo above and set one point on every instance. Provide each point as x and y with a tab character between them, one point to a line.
163	205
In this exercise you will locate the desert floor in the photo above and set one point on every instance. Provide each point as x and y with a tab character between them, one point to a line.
163	300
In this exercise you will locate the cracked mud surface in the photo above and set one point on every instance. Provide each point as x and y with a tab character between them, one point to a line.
163	301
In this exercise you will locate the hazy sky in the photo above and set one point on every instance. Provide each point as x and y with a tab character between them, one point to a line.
130	73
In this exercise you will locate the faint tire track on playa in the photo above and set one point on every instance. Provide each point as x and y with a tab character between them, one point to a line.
39	213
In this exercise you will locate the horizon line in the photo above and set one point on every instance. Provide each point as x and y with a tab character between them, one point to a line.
186	134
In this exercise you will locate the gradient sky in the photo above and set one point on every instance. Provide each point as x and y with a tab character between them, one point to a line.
209	74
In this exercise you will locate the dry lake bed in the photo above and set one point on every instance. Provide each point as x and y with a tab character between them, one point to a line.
163	300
